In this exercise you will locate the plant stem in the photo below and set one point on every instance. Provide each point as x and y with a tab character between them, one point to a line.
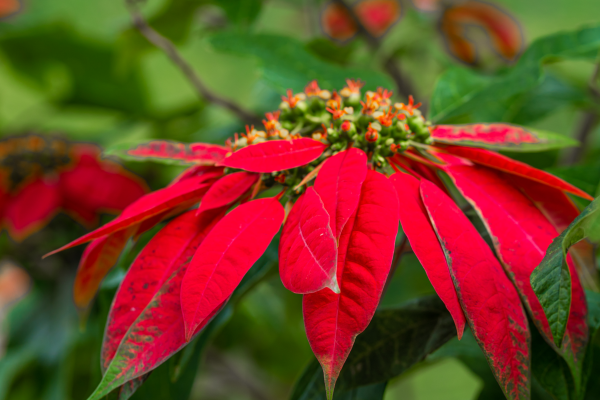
588	121
171	51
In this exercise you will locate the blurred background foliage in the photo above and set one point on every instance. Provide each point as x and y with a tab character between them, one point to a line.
81	70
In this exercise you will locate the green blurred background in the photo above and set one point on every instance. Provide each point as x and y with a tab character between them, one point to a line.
78	68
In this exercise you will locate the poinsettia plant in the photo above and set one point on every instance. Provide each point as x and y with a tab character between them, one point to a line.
341	172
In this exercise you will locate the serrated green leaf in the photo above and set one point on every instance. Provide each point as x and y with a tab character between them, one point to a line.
465	96
395	340
287	64
551	279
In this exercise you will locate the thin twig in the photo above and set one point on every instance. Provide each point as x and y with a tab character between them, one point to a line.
169	49
588	122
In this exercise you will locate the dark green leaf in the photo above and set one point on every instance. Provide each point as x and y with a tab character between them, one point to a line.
551	280
287	64
395	340
465	96
241	12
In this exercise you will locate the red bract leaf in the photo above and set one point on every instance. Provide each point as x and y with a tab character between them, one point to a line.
561	211
337	23
338	184
308	252
488	298
31	208
365	252
93	187
378	16
506	164
152	204
275	155
168	250
424	242
207	172
156	335
197	153
98	258
225	256
227	190
520	232
483	133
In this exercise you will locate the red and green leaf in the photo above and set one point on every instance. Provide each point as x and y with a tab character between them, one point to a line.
228	190
225	256
365	251
157	334
521	235
489	300
308	249
97	260
423	240
275	155
499	136
173	246
338	185
506	164
155	203
168	151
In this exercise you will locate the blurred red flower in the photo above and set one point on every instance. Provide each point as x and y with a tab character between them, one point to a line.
8	7
40	176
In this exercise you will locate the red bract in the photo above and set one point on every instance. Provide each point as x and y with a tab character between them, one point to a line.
276	155
225	256
195	153
489	300
40	176
422	238
365	252
337	244
308	249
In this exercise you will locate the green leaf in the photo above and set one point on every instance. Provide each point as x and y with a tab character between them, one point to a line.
465	96
584	176
77	70
395	340
241	12
550	95
288	65
551	280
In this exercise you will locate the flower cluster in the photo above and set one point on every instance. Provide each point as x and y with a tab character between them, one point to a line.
41	175
349	169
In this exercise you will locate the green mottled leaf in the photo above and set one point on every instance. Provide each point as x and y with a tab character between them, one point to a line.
465	96
551	280
288	65
395	340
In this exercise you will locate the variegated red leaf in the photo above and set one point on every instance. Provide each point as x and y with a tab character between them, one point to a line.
228	190
338	184
521	235
500	136
145	207
365	253
561	211
169	249
156	335
98	258
308	256
225	256
424	242
489	300
275	155
196	153
506	164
